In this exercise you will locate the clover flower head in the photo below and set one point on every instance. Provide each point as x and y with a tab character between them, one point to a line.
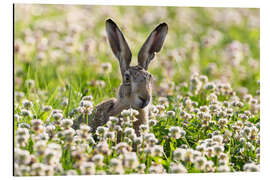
98	159
130	160
116	166
200	163
178	154
26	113
176	132
66	123
177	168
87	98
251	167
223	168
122	147
157	150
87	168
27	104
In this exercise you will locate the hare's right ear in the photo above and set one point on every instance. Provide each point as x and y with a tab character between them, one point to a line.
118	45
152	45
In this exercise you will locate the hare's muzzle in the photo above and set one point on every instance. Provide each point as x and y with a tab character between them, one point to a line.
144	102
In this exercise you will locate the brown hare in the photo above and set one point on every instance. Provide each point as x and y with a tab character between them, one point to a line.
136	88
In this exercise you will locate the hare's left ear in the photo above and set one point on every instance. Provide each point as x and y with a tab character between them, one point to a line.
152	45
118	45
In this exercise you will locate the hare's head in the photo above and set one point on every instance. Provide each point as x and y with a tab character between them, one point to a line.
136	88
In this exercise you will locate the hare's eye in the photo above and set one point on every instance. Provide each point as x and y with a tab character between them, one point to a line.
127	77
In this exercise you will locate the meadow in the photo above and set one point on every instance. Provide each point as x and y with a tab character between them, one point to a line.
205	114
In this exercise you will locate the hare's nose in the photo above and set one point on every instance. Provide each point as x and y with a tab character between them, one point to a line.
144	102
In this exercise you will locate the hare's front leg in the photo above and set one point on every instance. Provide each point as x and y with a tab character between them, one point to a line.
103	111
142	119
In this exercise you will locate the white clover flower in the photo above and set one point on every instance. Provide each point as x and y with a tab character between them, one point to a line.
51	156
84	128
218	149
22	156
116	166
130	160
86	104
101	130
57	116
151	141
224	157
87	168
156	169
27	104
64	102
17	117
212	97
170	113
209	166
201	148
109	135
143	128
38	169
118	128
179	154
210	86
122	147
50	129
157	150
217	138
103	148
26	113
36	122
23	132
98	159
40	147
153	109
222	122
210	152
160	107
19	95
129	112
177	168
106	67
23	170
204	108
223	168
200	163
152	122
71	172
203	78
113	119
22	140
49	170
141	168
163	100
87	98
251	167
176	132
138	140
129	132
47	108
66	123
69	132
125	113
